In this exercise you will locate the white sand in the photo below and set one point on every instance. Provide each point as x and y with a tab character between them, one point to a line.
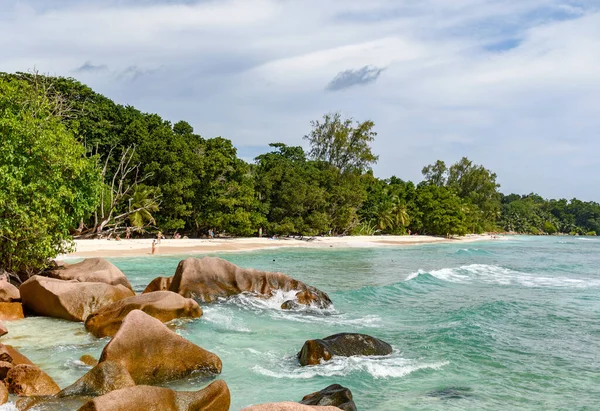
139	247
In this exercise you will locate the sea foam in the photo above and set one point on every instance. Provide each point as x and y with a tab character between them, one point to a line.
392	366
492	274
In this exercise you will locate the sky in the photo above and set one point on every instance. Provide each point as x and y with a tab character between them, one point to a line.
512	84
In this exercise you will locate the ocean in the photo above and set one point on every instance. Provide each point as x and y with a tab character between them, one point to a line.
504	324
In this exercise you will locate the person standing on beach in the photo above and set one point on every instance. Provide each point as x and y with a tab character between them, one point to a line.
153	246
127	233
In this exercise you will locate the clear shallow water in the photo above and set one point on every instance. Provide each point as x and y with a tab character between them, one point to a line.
506	324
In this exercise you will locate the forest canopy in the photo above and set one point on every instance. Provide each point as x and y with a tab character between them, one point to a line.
74	161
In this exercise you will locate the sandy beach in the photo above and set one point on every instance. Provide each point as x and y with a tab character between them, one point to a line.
141	247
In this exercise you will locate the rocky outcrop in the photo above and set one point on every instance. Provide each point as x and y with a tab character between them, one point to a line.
159	284
71	300
288	406
103	378
345	345
91	270
8	292
209	278
100	380
162	305
29	380
334	395
152	353
215	397
3	329
11	311
15	356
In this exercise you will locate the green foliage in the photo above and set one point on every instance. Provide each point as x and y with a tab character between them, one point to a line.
47	183
341	144
440	211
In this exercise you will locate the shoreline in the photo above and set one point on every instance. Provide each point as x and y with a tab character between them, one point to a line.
142	247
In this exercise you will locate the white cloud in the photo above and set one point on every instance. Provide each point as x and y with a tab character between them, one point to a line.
255	71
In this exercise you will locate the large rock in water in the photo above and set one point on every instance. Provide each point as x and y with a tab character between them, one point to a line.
158	284
100	380
11	311
71	300
8	292
288	406
334	395
152	353
162	305
29	380
215	397
344	345
91	270
209	278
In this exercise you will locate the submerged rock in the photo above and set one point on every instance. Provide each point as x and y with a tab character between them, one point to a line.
334	395
215	397
88	360
288	406
451	393
11	311
91	270
209	278
71	300
158	284
152	353
162	305
344	345
29	380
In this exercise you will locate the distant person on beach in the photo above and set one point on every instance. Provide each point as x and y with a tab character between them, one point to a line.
211	233
127	233
177	236
153	246
159	236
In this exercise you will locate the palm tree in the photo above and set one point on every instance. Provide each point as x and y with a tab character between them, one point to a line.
142	204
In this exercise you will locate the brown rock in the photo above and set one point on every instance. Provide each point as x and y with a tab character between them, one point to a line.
88	360
344	345
335	395
91	270
16	357
3	329
215	397
152	353
8	292
3	394
4	354
11	311
158	284
103	378
70	300
5	367
29	380
162	305
287	406
209	278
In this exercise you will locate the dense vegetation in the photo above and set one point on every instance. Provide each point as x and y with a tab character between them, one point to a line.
72	159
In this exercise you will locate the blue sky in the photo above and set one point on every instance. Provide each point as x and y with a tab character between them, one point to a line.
513	85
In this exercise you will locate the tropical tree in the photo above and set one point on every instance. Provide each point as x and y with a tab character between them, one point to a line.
47	183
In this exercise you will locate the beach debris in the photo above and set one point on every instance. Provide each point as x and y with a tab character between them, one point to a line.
71	300
90	270
210	278
162	305
335	395
313	352
153	354
215	397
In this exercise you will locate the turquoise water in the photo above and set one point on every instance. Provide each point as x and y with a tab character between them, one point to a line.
504	324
